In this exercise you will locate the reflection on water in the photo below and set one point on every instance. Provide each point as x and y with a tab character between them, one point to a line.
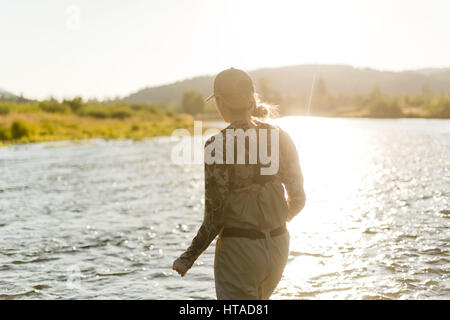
105	219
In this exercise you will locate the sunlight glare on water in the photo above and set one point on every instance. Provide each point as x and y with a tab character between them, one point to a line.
361	232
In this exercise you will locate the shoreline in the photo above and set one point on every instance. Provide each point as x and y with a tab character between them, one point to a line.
163	129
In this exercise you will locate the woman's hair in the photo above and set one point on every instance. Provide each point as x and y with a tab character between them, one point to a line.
251	103
263	110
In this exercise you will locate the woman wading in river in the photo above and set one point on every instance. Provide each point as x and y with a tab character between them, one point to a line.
246	207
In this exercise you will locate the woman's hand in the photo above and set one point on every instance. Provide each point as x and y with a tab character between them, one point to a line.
180	267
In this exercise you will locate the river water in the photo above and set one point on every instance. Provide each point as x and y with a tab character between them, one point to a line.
105	219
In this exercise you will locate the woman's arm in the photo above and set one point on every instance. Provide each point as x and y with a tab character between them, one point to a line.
216	189
291	176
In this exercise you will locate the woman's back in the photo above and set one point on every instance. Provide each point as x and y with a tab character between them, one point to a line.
252	199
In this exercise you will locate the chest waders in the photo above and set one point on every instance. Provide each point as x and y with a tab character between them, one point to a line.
253	247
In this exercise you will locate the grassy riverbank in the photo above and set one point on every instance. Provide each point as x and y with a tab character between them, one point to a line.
75	120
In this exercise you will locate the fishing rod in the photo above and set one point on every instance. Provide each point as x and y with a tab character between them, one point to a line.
311	91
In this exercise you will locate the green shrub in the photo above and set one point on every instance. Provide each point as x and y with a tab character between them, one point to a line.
53	106
19	130
137	106
121	113
4	134
99	112
74	104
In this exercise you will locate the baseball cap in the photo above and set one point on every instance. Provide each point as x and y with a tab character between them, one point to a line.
231	83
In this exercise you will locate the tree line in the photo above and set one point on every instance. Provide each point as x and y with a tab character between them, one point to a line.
320	101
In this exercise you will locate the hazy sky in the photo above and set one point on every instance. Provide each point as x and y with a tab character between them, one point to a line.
107	48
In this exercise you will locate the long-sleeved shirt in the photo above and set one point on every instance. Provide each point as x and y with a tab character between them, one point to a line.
219	178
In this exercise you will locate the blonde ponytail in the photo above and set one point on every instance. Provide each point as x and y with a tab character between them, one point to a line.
263	110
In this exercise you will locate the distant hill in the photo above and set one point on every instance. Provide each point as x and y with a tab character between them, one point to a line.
5	95
292	79
8	96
